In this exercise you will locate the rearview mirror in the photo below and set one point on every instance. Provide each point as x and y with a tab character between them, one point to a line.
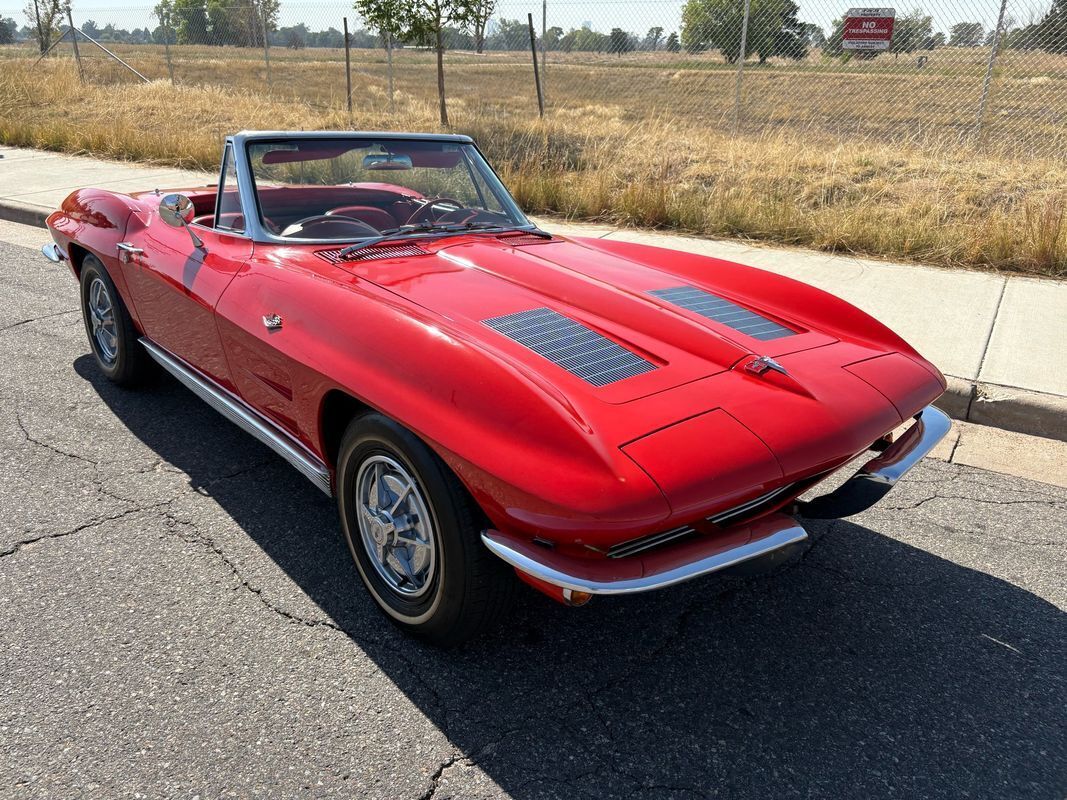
178	211
386	161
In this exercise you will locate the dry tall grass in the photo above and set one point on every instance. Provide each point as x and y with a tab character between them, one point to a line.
928	204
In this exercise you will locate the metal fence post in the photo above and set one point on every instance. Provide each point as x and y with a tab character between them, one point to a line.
537	75
389	58
348	66
741	66
266	43
165	21
544	36
994	47
74	41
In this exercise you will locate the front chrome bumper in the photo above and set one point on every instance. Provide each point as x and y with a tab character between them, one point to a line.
652	569
875	478
773	535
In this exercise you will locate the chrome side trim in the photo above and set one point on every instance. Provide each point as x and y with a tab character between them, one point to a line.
528	560
875	478
53	252
242	415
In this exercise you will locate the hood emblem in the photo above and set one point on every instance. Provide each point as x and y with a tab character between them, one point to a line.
761	364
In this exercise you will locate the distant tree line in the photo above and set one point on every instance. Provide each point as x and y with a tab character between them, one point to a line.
775	29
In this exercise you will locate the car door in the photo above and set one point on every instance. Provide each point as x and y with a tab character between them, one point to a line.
176	284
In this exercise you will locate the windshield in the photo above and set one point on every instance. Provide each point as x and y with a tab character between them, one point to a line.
351	189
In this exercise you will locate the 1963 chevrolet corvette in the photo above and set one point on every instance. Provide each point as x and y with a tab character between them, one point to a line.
485	399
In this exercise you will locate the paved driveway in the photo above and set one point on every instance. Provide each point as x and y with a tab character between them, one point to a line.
179	618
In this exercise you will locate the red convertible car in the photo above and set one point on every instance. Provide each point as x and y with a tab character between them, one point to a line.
485	399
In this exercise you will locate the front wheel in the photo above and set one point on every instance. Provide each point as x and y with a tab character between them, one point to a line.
413	532
110	328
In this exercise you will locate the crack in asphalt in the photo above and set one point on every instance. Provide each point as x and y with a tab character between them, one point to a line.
93	523
57	450
21	322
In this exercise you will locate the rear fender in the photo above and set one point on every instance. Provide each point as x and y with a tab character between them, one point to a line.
95	220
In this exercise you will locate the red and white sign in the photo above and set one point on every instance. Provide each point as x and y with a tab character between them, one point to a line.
868	28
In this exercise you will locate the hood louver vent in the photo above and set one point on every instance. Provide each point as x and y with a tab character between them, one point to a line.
520	238
724	312
569	344
372	253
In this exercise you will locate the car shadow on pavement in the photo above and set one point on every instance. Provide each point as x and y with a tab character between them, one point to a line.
866	668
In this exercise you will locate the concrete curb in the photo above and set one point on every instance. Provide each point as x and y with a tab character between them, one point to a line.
1003	407
23	213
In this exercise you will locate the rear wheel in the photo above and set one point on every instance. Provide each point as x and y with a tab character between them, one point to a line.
413	532
110	328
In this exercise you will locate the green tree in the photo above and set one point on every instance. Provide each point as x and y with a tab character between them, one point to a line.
188	18
480	14
935	41
652	38
619	42
90	28
420	20
673	45
8	28
44	17
773	28
911	32
1051	33
965	34
552	37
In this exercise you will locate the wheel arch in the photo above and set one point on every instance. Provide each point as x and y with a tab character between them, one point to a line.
336	409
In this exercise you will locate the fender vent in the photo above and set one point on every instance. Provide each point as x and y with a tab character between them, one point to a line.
569	344
372	253
724	312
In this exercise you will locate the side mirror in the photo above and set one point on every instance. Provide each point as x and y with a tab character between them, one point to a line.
178	211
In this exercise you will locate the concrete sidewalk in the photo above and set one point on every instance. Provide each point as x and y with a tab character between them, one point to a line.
1002	340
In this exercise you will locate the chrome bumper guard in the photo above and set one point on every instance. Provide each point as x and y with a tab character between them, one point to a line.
53	252
875	478
652	569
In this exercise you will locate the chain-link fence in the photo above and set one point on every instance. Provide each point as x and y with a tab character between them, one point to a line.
992	72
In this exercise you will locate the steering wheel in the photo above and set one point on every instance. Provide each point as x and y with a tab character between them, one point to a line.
321	226
462	216
425	211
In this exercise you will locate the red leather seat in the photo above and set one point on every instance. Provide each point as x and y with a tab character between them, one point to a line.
230	219
375	217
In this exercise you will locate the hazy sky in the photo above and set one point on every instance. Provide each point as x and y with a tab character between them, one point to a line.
604	15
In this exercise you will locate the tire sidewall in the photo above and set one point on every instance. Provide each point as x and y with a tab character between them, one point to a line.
90	271
439	608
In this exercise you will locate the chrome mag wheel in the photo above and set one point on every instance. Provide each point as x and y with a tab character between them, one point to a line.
395	526
102	321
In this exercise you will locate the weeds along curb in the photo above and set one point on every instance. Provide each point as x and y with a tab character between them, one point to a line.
986	404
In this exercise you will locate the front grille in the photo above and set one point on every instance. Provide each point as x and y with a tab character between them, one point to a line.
724	312
731	516
372	253
579	350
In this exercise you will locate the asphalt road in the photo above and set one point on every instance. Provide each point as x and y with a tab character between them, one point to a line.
179	618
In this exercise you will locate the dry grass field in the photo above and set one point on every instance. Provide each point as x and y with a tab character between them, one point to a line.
825	157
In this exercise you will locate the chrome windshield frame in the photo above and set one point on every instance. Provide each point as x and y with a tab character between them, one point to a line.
258	232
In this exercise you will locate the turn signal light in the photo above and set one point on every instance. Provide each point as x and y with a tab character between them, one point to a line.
575	598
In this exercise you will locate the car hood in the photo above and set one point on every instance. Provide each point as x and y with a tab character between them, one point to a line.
472	282
708	425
